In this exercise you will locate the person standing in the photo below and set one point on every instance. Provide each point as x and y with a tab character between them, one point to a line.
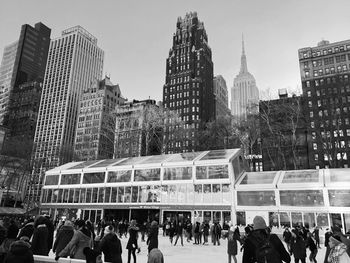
205	232
260	238
232	238
152	240
196	234
287	235
171	232
63	236
40	244
298	246
216	233
132	242
111	246
179	233
311	244
327	236
316	234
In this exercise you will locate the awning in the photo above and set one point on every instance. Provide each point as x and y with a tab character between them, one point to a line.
11	211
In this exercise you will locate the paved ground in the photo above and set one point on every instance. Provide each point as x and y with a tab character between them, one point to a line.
190	253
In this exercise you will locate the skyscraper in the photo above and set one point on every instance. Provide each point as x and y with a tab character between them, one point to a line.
95	133
23	61
74	63
188	88
221	96
244	93
324	72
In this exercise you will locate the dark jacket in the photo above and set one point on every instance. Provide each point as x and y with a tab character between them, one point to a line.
82	238
152	240
179	229
111	247
20	252
287	235
298	246
231	242
39	243
132	242
64	235
257	236
27	230
310	243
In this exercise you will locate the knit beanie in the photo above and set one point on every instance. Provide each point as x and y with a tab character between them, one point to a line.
259	223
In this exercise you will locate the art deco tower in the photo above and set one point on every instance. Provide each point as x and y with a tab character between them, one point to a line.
244	93
75	63
188	88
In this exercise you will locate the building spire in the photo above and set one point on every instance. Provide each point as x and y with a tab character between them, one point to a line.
244	68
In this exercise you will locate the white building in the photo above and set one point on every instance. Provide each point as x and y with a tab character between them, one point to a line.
244	93
74	63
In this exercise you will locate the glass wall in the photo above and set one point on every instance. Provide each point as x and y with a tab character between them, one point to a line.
147	175
256	198
119	176
285	219
301	197
70	179
93	178
339	198
178	173
212	172
52	179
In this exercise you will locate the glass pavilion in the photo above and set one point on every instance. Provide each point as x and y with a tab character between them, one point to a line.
196	185
210	185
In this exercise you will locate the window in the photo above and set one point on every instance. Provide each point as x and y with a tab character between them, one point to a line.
314	146
309	93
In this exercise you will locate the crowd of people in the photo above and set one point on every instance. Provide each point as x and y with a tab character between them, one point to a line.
20	239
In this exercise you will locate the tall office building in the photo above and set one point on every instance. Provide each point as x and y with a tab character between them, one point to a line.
74	63
23	61
221	96
324	72
188	88
244	93
95	133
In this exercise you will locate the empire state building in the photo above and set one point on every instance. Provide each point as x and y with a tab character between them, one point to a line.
244	93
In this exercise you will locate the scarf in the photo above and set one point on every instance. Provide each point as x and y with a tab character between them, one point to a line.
336	252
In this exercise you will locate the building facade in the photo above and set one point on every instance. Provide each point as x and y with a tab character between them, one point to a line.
94	138
24	61
188	88
74	63
244	93
324	72
131	130
221	96
283	141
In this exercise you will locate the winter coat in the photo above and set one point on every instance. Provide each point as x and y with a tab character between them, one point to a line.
152	240
257	236
132	242
27	230
179	229
82	238
298	247
39	243
20	252
287	235
111	247
338	254
231	242
311	244
64	235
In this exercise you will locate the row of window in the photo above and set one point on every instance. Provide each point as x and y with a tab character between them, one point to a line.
326	51
176	173
178	193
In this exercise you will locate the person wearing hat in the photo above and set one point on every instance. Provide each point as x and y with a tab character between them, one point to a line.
258	239
111	246
337	253
132	246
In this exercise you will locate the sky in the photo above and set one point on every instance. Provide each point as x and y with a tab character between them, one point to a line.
137	35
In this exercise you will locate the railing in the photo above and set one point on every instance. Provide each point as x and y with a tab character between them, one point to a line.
44	259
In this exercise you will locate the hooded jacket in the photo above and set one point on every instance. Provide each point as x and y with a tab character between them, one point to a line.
82	238
19	252
64	235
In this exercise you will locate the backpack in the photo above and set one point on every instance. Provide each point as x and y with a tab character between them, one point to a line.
265	251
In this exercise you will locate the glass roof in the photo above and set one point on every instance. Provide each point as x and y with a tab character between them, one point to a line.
218	154
154	159
300	176
189	156
339	175
105	163
84	164
132	160
258	178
